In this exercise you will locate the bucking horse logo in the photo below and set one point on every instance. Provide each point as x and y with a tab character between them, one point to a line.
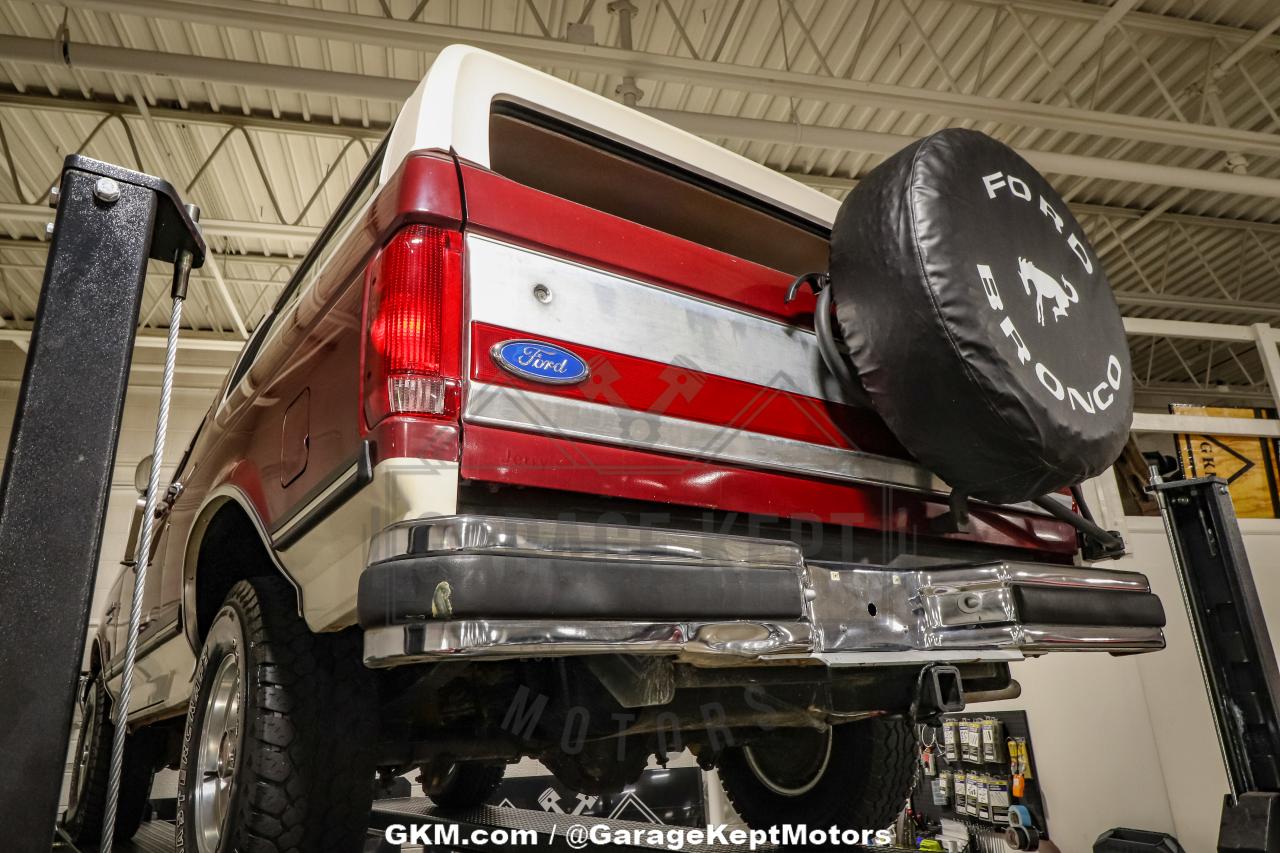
1047	287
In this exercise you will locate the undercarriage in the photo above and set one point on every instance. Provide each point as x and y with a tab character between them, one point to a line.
596	721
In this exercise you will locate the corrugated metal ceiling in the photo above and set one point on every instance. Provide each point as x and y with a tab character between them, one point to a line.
274	176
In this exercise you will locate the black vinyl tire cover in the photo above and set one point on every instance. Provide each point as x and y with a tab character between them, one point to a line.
1008	384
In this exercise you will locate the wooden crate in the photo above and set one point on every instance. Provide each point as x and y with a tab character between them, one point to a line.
1250	465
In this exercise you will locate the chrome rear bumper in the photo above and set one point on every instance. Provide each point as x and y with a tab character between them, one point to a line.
470	586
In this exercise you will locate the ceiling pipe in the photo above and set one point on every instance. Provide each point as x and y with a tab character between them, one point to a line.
1243	50
626	10
1084	48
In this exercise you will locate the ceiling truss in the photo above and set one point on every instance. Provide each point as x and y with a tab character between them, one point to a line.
1220	136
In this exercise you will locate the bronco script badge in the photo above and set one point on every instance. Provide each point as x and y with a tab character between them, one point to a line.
540	362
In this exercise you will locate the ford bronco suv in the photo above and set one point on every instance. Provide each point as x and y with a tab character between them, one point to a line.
541	453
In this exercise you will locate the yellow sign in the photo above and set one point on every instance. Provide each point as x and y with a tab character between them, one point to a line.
1249	465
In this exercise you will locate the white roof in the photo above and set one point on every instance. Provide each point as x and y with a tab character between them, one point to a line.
450	110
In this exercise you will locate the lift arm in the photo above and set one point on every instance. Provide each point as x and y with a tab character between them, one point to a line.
1236	656
57	475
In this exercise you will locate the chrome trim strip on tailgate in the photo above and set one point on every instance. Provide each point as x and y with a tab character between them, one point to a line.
599	309
494	405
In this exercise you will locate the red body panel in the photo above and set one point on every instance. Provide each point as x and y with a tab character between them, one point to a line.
556	463
518	214
514	213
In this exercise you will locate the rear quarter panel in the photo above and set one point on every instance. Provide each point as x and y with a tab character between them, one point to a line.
314	347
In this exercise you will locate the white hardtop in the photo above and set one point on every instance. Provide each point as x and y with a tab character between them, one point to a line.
450	110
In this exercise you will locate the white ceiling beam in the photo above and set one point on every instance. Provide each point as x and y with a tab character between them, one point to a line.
1144	299
1257	38
39	214
215	371
1185	329
1205	425
203	341
1157	393
836	182
422	37
258	230
220	284
409	34
227	257
199	114
1189	219
847	139
90	57
153	274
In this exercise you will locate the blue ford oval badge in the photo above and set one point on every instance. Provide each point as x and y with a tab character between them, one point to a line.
540	362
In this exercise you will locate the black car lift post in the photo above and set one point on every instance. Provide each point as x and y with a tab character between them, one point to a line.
1235	652
57	475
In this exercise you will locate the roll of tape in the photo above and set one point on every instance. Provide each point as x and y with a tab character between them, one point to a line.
1022	837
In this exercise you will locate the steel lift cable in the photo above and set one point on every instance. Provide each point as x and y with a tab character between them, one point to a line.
181	274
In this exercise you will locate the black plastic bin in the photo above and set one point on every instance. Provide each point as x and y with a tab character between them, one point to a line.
1121	840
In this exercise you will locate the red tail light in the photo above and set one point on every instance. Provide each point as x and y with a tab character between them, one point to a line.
413	316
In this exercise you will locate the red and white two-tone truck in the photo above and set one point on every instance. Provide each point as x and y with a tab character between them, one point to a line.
534	457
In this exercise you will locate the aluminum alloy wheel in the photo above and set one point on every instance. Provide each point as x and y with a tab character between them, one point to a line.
789	768
79	774
217	751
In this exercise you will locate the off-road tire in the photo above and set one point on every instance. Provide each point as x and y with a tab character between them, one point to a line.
82	820
303	773
472	783
864	786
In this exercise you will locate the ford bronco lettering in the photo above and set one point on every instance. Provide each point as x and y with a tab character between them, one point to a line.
578	437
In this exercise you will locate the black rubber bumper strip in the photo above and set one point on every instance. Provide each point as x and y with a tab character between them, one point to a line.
1098	607
480	586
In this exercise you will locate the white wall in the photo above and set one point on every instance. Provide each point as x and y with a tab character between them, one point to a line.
1093	746
137	428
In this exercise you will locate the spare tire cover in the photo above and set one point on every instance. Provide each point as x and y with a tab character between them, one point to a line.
979	319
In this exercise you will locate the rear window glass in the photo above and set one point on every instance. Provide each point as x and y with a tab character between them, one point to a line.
574	164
